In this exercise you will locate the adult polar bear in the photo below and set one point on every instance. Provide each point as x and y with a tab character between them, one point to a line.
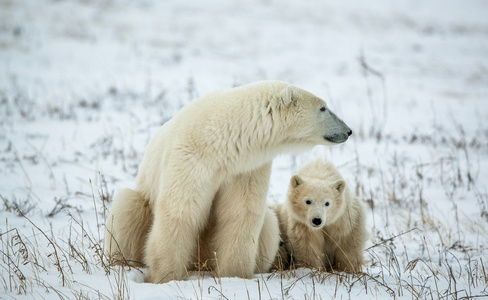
211	164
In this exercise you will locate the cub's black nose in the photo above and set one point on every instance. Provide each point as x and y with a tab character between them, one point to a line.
317	221
349	132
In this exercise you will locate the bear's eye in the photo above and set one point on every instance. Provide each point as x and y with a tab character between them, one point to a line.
323	108
327	203
308	201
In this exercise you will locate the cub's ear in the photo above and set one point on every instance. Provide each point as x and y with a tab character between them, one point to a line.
286	97
339	185
296	181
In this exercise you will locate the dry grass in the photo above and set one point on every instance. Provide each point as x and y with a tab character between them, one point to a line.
419	249
445	265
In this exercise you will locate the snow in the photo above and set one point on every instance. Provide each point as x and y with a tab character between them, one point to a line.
85	84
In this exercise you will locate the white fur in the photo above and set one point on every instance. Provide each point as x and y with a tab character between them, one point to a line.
338	241
211	164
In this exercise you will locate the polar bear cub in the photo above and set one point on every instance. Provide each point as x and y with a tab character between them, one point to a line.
322	226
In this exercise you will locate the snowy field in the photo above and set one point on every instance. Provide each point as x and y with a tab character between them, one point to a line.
84	85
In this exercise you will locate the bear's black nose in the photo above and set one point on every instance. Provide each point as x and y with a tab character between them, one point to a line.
317	221
349	132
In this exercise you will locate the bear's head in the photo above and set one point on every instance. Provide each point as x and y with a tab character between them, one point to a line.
314	202
309	119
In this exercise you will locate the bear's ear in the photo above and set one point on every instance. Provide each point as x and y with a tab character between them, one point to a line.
296	181
286	97
339	185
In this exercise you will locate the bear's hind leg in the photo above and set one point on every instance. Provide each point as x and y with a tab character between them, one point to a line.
269	242
127	227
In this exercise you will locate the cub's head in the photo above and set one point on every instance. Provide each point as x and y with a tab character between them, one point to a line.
310	120
314	202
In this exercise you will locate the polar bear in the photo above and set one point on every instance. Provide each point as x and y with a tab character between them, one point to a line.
211	164
321	225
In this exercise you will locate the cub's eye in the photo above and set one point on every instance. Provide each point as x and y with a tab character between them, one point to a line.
327	203
323	108
308	201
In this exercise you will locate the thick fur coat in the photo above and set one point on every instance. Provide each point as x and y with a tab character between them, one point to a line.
201	189
321	225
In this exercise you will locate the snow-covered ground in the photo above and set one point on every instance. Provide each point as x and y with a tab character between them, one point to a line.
84	84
